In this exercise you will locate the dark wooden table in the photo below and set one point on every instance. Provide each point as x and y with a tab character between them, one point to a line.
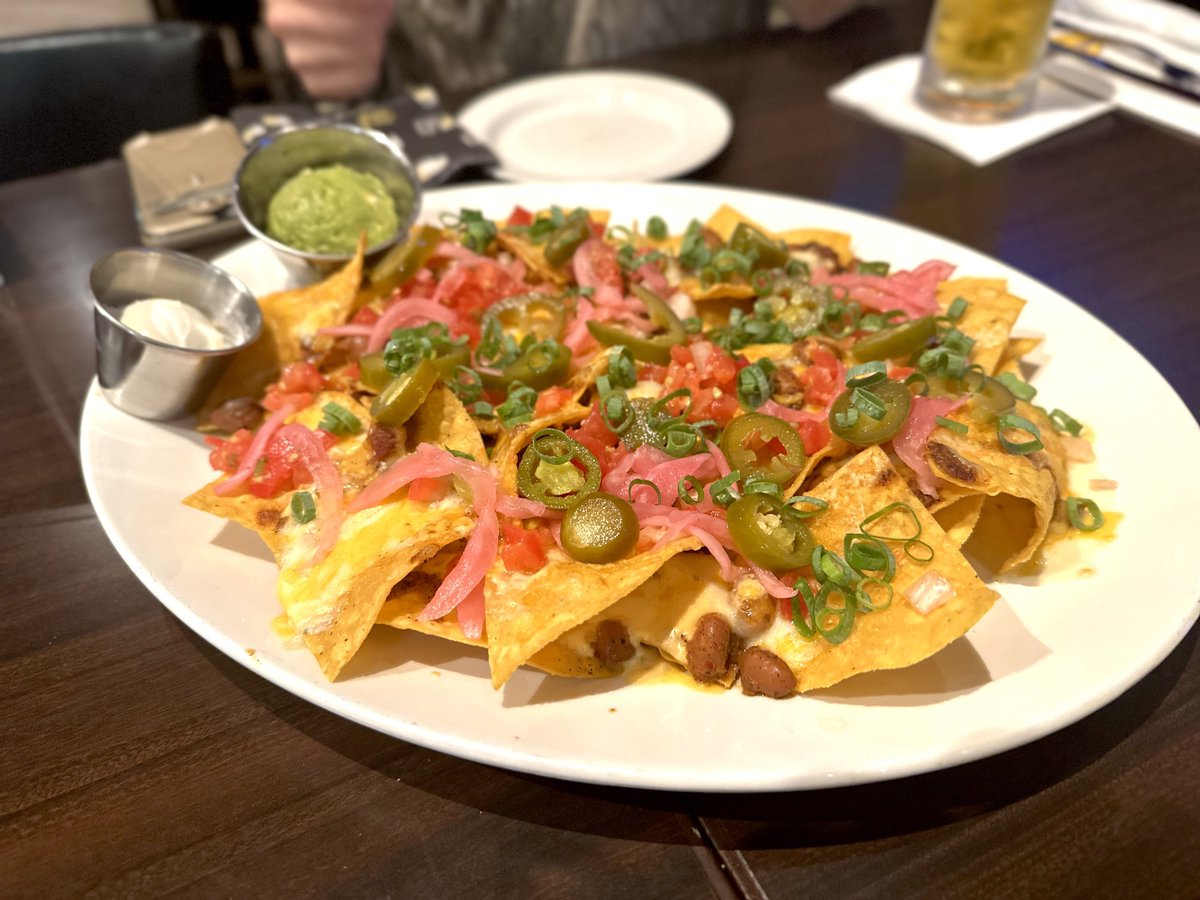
136	760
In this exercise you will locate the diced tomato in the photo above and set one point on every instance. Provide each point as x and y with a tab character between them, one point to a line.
427	490
520	216
597	228
301	376
652	372
823	379
714	395
227	452
601	440
524	549
899	373
552	399
480	285
296	386
364	316
814	434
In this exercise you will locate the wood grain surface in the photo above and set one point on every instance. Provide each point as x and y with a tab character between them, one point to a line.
136	760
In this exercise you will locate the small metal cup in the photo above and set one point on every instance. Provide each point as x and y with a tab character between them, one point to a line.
277	156
148	378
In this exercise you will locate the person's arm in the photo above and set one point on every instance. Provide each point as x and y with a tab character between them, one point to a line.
335	47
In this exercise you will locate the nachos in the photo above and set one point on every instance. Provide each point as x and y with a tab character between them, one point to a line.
581	445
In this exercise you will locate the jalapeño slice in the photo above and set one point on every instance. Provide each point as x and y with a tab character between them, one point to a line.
599	528
853	416
766	253
899	340
764	447
768	532
654	349
404	394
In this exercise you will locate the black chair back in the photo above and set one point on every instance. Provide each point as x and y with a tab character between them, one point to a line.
74	97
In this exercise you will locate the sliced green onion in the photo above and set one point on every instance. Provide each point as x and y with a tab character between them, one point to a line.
1020	389
868	402
622	370
656	228
956	427
842	616
537	446
691	489
803	594
847	419
724	490
866	553
898	507
753	386
828	566
304	509
1012	422
918	378
918	551
339	420
518	406
692	325
658	497
816	504
1064	422
957	307
617	412
466	384
872	268
460	454
1084	514
762	486
866	374
863	599
481	409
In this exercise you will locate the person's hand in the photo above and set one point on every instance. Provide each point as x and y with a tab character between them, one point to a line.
334	46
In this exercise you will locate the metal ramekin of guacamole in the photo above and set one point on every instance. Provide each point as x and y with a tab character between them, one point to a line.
323	210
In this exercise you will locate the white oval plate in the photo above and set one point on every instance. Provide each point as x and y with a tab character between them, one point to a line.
1045	656
598	126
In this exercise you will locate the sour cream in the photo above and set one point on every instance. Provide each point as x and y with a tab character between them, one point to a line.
174	322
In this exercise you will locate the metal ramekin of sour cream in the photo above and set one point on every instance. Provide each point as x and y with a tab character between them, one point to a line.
167	325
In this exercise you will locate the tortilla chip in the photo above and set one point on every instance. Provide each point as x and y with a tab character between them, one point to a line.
1015	350
959	515
403	606
836	241
989	317
534	255
333	604
289	319
898	635
443	420
976	461
262	515
525	613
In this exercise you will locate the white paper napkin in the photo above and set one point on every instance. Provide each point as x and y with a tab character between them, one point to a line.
885	92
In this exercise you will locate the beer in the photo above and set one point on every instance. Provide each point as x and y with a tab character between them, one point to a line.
982	56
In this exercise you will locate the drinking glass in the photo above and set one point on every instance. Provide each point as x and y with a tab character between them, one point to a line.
982	57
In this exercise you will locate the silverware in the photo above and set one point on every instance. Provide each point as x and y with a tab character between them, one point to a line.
1128	57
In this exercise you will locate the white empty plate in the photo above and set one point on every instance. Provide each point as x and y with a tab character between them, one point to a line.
598	126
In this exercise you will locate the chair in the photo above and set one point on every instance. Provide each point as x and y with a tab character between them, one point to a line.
71	98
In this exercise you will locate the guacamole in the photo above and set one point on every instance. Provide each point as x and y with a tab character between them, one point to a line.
324	210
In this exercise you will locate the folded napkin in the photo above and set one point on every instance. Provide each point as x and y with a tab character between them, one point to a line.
886	92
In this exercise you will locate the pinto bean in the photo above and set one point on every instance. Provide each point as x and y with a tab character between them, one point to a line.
235	414
708	648
611	643
381	440
765	673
